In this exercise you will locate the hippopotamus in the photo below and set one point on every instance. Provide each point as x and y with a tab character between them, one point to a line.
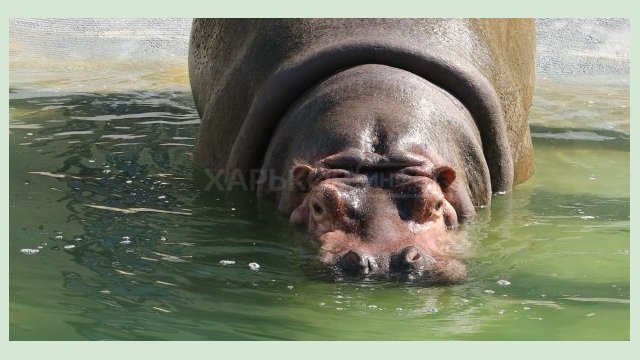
386	133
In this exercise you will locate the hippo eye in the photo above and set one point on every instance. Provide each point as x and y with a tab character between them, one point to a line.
439	205
317	208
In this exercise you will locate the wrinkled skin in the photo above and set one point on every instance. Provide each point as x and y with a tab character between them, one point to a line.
401	227
389	133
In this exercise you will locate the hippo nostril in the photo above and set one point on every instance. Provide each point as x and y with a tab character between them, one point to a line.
352	258
356	262
410	255
412	260
413	256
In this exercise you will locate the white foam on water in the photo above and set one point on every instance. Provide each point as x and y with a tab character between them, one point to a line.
29	251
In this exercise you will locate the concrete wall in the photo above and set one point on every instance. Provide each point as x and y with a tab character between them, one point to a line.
583	46
565	46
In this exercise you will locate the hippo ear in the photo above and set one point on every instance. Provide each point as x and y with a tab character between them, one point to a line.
444	175
299	178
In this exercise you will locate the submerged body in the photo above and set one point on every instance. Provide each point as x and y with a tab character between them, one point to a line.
389	132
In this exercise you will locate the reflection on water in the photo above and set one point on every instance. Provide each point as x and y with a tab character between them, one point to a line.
111	238
590	101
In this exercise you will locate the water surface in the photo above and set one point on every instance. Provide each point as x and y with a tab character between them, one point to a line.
110	238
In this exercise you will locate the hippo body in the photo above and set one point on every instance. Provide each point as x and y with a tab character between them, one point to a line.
388	131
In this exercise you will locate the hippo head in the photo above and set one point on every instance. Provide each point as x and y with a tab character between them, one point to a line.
380	166
379	220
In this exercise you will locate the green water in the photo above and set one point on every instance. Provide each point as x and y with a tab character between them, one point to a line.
129	248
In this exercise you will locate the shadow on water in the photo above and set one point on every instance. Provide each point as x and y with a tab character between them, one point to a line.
588	138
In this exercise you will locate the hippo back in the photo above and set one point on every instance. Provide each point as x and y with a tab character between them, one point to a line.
245	73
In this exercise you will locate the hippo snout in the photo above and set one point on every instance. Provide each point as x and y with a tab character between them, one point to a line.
410	262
